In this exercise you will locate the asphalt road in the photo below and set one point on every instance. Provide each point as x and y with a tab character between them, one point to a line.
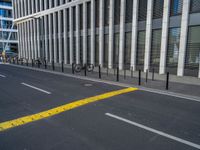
136	120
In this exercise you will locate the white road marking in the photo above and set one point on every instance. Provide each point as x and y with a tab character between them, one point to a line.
155	131
41	90
2	76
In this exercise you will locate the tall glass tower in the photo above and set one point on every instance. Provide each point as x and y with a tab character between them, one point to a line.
8	32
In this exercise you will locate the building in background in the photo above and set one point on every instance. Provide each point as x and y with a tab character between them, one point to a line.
163	35
8	32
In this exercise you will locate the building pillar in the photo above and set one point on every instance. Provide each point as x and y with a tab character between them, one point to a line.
164	40
31	39
38	36
84	33
28	40
77	35
60	37
122	34
183	37
101	32
50	38
134	34
148	35
35	38
92	32
111	34
65	36
71	40
55	37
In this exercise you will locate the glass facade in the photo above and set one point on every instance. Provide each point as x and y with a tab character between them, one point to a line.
158	9
155	48
116	50
142	10
140	49
195	6
127	52
173	47
105	53
129	11
176	7
193	48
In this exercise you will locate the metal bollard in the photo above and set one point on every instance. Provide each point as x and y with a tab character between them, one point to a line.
45	64
153	71
117	74
62	66
147	75
167	81
99	72
139	78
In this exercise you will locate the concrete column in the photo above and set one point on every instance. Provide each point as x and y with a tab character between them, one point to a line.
25	39
38	36
28	4
148	34
111	34
50	38
84	33
18	8
134	34
77	35
101	32
55	36
31	39
92	32
19	38
183	37
65	35
59	36
122	34
35	38
164	40
71	40
28	40
25	7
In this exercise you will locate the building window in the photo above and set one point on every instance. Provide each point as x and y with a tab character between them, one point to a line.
105	53
116	50
97	13
117	12
106	12
140	48
193	48
155	48
81	49
142	10
173	47
195	6
97	50
176	7
88	15
127	52
81	16
129	11
158	9
89	49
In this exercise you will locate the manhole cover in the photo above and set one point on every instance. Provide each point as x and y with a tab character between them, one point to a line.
88	85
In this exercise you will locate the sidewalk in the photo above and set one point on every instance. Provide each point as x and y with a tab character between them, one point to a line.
181	85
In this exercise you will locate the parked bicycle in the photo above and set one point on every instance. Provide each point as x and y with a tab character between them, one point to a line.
79	67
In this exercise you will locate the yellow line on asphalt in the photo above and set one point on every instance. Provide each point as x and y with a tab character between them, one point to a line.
27	119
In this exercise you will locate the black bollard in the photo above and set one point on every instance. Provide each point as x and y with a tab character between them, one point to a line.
139	78
72	68
45	64
62	66
99	72
167	81
117	74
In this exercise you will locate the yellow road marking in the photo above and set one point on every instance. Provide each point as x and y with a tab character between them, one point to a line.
27	119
